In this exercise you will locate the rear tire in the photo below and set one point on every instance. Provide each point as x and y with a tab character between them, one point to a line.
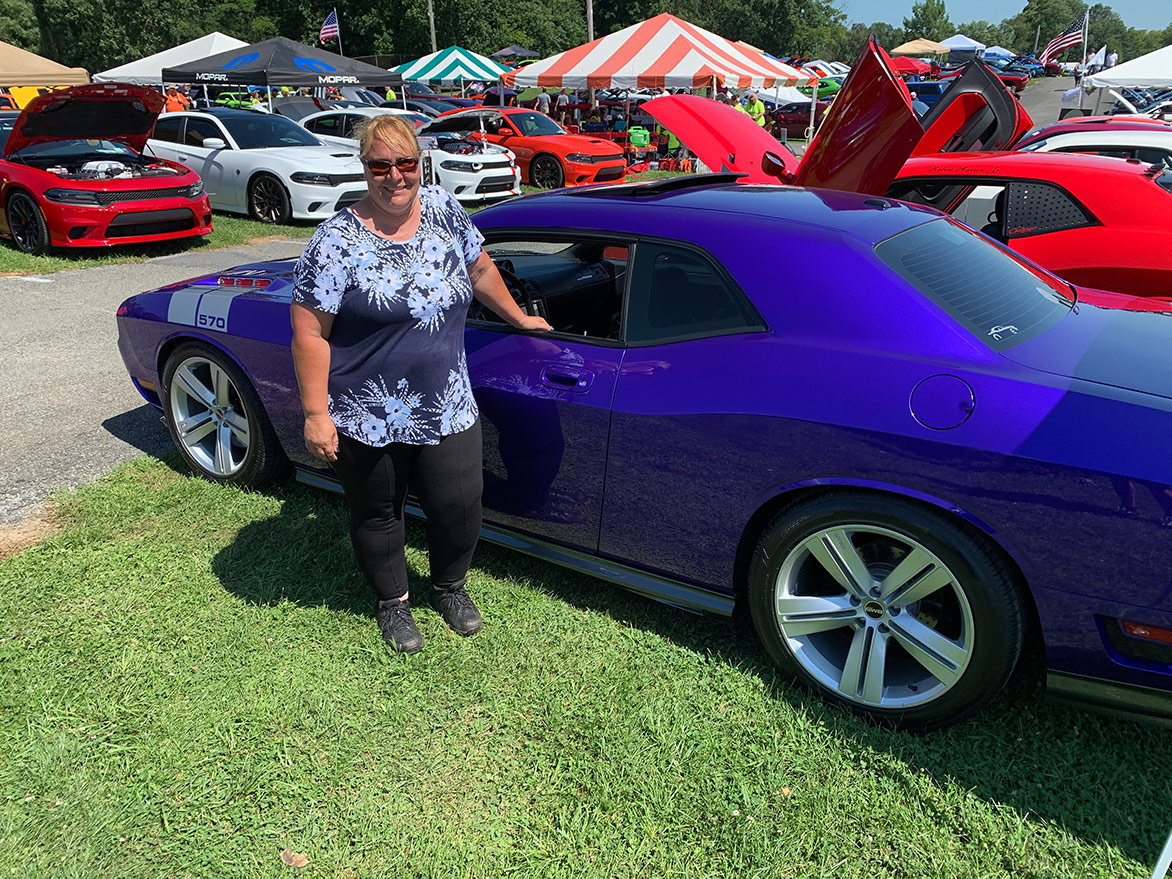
886	607
217	420
27	224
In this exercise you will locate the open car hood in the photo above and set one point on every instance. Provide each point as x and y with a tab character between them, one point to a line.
865	137
102	110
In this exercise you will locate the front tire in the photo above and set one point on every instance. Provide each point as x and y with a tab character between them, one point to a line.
886	607
27	224
216	418
268	201
546	172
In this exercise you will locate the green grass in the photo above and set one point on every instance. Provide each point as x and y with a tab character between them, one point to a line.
227	231
191	682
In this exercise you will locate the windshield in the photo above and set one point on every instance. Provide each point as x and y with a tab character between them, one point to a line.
531	124
998	299
260	131
76	147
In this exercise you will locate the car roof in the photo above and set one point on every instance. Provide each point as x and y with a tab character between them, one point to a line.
646	208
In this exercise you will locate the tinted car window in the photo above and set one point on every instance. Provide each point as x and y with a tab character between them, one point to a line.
680	293
199	129
6	125
325	125
996	298
254	132
168	129
533	124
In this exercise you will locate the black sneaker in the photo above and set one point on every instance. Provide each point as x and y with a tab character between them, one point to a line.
398	626
455	605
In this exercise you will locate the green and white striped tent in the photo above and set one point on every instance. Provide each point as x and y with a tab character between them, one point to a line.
451	65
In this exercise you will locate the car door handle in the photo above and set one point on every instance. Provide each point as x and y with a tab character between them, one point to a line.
566	379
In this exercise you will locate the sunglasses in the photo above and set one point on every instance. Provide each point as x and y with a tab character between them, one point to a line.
382	167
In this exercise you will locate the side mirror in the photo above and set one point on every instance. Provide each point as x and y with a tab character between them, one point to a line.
214	143
772	165
505	131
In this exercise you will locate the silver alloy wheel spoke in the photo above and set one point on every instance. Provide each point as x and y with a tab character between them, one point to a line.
222	385
224	464
194	387
238	424
806	614
865	668
943	658
194	435
835	552
916	577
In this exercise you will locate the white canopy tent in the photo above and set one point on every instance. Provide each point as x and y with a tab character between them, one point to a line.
149	70
962	43
999	52
1153	70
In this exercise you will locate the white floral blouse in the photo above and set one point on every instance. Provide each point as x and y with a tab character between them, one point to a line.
398	371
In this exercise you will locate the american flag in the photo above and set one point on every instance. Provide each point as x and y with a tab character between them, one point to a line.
329	27
1072	36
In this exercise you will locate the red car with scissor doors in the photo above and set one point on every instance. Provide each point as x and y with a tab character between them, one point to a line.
72	173
1098	222
547	155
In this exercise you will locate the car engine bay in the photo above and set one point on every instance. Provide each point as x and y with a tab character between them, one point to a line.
87	167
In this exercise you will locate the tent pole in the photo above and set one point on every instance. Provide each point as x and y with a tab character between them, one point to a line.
269	89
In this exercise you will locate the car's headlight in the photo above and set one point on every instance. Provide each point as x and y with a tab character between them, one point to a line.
580	158
311	177
195	190
72	196
452	165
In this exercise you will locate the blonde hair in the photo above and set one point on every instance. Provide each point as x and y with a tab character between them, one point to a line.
393	130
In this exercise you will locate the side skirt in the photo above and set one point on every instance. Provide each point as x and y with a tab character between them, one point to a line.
1129	701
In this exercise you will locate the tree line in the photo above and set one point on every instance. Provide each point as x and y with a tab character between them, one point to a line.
99	34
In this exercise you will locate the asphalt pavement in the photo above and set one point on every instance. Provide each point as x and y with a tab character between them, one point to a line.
69	411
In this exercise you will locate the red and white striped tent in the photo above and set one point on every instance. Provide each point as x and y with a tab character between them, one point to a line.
661	52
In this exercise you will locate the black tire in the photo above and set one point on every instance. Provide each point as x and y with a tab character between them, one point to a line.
27	224
545	171
268	201
223	452
925	648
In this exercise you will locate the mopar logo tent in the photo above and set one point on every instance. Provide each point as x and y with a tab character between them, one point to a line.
281	61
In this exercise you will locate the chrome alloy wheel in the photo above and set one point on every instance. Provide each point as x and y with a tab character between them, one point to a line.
209	416
874	616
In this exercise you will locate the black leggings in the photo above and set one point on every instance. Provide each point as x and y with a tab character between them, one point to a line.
448	480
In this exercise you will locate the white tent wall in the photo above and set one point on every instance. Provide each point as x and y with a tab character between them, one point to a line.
149	70
1152	70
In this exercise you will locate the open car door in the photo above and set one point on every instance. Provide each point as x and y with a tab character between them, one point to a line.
975	114
869	132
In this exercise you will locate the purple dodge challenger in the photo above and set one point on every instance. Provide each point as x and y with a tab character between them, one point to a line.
907	455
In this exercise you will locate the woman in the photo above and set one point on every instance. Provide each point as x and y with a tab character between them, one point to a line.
378	311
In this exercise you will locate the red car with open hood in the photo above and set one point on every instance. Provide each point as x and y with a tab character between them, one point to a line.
72	173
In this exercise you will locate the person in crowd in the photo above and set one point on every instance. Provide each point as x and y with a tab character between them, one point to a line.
755	107
543	102
380	295
1112	58
390	94
175	100
563	106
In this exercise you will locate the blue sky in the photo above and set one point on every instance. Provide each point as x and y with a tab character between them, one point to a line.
1146	14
